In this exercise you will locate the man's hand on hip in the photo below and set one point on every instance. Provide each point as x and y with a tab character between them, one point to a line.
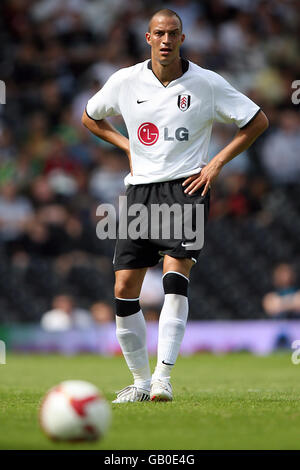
205	178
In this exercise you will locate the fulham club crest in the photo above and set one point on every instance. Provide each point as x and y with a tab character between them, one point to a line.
184	102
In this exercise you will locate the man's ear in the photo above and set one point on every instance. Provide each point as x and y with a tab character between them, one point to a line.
182	38
148	38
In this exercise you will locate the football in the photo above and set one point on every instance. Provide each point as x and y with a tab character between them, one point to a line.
74	410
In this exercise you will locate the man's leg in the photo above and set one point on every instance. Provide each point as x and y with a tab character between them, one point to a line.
172	324
131	333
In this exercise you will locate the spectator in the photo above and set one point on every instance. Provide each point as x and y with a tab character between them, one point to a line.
106	183
280	152
65	315
15	212
284	301
102	312
221	136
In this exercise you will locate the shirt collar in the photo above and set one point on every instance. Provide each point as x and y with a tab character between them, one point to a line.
184	64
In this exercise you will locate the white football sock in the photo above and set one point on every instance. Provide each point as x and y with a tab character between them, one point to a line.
131	334
172	325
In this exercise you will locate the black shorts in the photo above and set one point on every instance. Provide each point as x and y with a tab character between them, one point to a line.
146	250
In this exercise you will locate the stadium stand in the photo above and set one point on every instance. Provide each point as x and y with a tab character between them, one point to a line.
54	173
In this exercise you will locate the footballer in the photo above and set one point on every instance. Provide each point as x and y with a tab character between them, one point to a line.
169	105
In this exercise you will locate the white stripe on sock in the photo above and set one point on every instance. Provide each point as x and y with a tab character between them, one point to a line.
175	272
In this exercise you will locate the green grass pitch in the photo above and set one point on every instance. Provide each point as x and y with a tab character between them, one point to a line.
234	401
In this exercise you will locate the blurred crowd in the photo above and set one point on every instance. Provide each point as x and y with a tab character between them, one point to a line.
53	173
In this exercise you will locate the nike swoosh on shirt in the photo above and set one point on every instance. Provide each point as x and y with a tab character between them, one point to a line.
141	101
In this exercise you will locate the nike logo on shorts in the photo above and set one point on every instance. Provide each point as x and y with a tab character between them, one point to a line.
187	244
141	101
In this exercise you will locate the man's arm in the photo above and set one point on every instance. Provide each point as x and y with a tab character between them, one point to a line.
242	140
105	131
274	304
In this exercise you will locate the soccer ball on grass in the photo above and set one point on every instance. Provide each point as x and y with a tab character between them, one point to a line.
74	410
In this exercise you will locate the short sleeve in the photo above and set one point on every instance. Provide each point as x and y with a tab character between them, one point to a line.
230	105
105	102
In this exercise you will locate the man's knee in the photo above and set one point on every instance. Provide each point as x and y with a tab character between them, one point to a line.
128	283
180	265
127	292
126	289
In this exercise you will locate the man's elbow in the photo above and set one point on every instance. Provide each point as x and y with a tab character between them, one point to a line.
263	122
84	119
259	125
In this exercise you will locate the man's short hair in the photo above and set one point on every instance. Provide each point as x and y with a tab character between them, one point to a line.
165	12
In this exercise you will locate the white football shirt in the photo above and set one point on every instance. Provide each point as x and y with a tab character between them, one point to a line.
169	127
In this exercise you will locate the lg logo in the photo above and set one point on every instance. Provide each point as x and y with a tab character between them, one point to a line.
148	134
181	134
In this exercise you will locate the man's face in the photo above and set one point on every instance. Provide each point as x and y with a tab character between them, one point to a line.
165	38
